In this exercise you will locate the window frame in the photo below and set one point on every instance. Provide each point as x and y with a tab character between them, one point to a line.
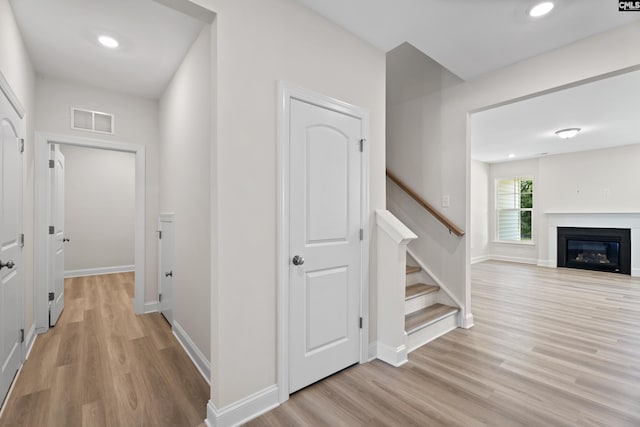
498	210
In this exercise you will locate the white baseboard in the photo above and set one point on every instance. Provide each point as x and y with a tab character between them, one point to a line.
193	351
100	270
151	307
243	410
393	356
635	272
520	260
481	258
547	263
373	351
29	340
467	321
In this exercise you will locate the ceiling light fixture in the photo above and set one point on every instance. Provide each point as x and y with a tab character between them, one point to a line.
567	133
108	41
511	156
541	9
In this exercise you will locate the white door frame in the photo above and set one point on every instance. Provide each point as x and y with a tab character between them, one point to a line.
42	197
286	92
11	96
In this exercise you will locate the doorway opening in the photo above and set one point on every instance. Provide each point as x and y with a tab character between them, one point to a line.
43	191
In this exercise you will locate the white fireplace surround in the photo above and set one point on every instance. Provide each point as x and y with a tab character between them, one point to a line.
630	220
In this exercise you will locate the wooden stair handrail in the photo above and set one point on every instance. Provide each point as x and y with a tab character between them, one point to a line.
433	211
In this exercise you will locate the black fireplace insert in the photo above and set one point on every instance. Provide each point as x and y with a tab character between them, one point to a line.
603	249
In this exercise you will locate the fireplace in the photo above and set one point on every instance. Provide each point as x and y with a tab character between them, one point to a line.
603	249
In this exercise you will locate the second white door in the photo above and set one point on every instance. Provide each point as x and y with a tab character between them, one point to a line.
56	235
166	246
325	242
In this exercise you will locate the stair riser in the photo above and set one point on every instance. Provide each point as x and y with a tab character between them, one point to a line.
418	303
413	278
431	332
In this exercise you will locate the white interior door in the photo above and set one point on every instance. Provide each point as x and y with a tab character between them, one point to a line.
56	234
11	260
166	267
325	222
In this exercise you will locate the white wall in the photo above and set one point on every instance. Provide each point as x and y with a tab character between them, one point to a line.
417	154
597	181
19	72
587	58
592	181
259	43
99	208
185	131
136	122
480	212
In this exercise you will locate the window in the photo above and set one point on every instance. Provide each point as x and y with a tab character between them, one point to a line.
514	205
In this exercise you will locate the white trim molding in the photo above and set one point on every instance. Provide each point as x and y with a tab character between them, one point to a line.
481	258
393	356
29	341
286	92
194	353
42	213
99	270
243	410
151	307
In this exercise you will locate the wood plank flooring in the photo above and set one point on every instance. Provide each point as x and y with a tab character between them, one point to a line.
550	347
103	366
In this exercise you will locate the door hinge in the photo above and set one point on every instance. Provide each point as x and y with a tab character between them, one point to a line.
160	234
361	323
51	296
362	145
21	336
361	234
52	164
21	240
159	297
52	229
21	145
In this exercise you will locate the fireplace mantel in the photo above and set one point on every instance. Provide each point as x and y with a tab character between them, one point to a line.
630	220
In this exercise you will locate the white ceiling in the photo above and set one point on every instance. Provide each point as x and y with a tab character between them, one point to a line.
606	110
61	38
472	37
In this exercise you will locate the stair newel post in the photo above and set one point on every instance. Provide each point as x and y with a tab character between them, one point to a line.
392	239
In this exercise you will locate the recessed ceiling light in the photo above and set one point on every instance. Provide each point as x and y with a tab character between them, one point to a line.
511	156
108	41
541	9
567	133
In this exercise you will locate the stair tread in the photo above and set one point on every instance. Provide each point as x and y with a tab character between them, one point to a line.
419	289
422	318
413	269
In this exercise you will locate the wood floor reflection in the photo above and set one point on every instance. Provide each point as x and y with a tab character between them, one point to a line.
550	347
103	366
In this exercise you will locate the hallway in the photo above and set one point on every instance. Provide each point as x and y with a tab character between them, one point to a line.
102	365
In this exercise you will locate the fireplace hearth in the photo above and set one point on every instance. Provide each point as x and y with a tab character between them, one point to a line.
603	249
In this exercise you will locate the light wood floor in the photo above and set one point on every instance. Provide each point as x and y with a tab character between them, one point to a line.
549	348
103	366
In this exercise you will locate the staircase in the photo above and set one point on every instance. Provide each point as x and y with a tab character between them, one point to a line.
426	318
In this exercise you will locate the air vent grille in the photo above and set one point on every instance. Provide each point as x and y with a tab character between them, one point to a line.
92	121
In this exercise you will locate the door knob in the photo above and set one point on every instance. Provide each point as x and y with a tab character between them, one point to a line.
8	264
169	274
65	240
297	260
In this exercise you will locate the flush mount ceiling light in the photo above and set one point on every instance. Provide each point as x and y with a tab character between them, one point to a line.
512	156
108	41
567	133
541	9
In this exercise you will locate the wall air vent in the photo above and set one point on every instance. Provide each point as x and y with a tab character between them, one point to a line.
92	121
